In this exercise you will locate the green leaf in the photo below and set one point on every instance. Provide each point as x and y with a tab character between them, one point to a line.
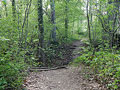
4	2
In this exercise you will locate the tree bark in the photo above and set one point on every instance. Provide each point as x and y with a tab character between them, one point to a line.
0	11
66	19
53	32
6	10
41	32
88	20
13	9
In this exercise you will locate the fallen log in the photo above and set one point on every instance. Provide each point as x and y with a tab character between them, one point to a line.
46	69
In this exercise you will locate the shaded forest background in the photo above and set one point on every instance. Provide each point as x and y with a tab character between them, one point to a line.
38	32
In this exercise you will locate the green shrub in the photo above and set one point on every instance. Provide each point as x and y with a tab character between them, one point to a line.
105	64
11	70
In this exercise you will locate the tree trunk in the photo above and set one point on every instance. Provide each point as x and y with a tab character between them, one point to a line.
89	31
6	10
13	9
41	32
66	19
0	11
53	32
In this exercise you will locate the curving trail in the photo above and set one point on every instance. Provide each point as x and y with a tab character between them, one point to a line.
71	78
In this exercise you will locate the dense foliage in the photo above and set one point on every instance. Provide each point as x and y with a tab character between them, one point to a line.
33	31
23	43
105	65
104	41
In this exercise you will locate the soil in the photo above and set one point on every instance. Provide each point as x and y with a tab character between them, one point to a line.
69	78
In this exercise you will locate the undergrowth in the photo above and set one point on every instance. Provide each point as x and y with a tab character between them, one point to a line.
11	72
105	65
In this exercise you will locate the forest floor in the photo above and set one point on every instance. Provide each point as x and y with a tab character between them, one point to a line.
69	78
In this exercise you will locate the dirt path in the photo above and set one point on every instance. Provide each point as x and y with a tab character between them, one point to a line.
61	79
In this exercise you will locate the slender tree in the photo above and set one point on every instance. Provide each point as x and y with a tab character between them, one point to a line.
53	32
66	19
13	9
0	11
88	20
